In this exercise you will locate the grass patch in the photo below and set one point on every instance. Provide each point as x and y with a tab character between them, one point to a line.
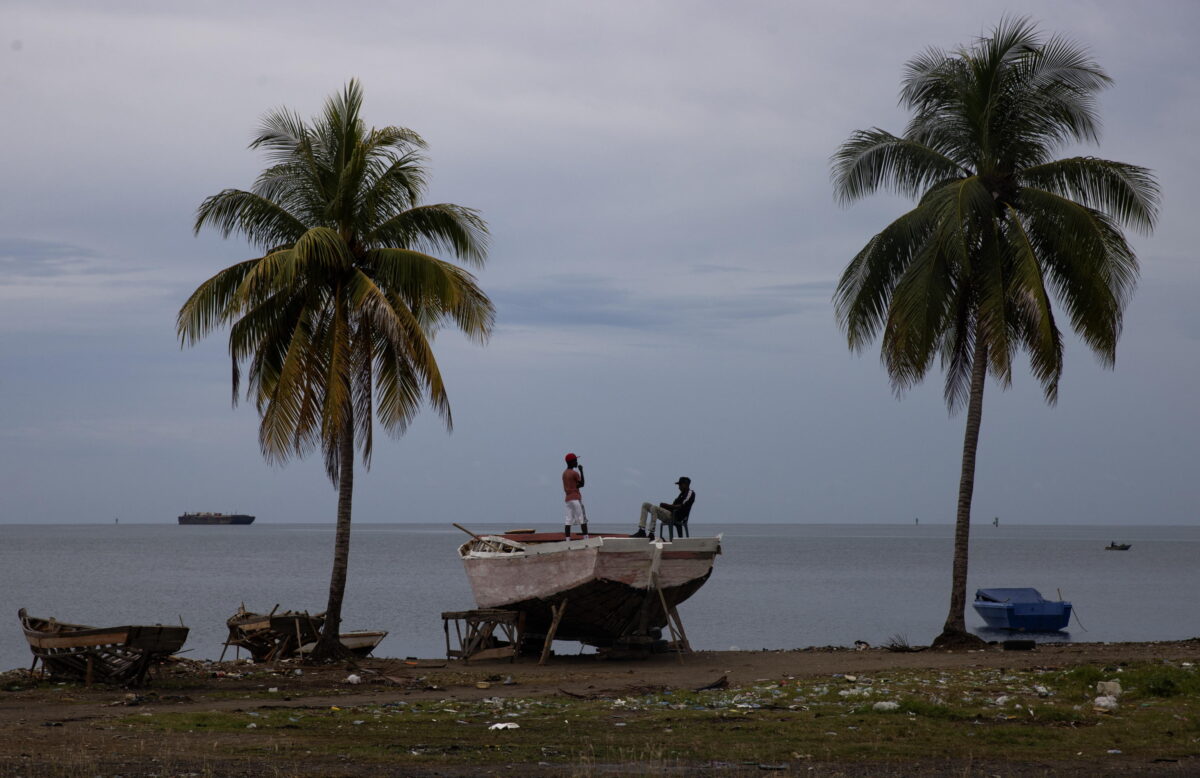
969	714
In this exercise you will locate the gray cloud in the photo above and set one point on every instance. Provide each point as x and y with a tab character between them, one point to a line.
25	257
585	302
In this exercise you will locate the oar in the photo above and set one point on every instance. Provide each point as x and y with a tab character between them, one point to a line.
489	543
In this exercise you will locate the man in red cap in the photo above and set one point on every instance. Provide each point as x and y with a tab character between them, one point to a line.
572	482
674	514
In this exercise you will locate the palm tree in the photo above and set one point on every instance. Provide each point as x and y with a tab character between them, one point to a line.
334	320
1000	226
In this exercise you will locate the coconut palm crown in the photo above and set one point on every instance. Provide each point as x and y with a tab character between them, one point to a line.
333	323
1002	235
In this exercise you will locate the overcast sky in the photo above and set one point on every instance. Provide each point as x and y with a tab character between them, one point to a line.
665	244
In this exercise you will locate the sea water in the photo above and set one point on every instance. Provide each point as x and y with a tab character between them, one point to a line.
774	585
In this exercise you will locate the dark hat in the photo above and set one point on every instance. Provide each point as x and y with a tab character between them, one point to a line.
683	479
571	457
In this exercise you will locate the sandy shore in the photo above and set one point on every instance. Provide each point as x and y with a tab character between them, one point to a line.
37	719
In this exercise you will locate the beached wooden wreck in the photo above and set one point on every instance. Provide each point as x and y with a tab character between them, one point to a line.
119	655
284	634
610	591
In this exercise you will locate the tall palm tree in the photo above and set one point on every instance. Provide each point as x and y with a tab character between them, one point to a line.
1000	227
334	320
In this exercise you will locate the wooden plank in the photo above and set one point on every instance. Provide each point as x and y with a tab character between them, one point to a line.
674	614
501	652
558	614
73	640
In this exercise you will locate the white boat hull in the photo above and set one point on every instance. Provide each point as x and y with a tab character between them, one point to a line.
612	585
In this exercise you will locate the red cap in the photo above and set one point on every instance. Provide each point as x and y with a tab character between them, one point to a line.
571	457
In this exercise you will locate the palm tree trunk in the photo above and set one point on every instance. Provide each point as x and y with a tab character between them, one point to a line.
955	629
329	647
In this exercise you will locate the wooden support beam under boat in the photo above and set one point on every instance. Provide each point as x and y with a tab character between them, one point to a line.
673	622
558	614
488	633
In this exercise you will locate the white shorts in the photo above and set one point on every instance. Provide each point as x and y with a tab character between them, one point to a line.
575	514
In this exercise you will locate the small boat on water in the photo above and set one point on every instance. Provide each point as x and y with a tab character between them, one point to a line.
206	517
617	590
1117	546
120	655
1022	610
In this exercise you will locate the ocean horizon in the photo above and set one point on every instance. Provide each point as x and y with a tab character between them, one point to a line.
775	586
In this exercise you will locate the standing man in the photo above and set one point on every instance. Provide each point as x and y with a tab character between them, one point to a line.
572	482
675	513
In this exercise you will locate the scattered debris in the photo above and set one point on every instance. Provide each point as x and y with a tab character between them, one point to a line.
899	643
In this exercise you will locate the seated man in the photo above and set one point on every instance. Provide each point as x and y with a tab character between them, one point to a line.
675	513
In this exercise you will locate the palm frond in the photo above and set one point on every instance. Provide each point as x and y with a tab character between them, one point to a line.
209	307
1128	193
264	223
874	158
434	228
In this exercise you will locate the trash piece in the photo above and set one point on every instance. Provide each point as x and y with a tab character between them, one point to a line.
353	679
851	678
1105	704
273	690
482	685
861	645
720	683
508	681
1114	751
505	725
886	706
1108	688
576	695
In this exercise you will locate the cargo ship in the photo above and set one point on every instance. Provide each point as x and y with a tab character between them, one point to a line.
215	518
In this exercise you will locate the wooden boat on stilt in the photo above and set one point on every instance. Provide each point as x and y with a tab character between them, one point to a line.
119	655
606	591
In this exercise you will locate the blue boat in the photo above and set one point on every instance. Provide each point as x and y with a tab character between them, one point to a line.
1023	610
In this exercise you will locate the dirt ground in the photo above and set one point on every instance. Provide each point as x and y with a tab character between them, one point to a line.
43	718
